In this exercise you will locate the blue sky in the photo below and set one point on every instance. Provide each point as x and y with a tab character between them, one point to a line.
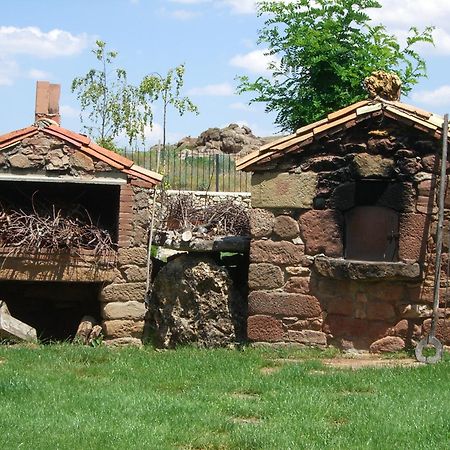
216	39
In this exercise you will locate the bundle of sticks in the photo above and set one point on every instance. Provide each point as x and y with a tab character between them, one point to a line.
224	218
50	227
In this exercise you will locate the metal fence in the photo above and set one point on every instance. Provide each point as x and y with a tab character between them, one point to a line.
190	170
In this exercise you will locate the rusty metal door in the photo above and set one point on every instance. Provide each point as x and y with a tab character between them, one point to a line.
371	234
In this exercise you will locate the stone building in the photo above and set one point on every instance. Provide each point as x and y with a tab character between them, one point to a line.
52	291
343	230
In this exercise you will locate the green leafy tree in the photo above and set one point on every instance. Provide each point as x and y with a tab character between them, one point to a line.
168	89
322	52
111	106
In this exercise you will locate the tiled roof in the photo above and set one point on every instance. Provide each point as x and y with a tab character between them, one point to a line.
85	145
341	120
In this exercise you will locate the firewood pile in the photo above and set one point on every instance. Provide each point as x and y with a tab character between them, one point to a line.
186	220
47	226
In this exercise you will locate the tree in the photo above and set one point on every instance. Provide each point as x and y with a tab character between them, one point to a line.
322	52
168	89
111	104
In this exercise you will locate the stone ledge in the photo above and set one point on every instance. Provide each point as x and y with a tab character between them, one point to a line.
343	269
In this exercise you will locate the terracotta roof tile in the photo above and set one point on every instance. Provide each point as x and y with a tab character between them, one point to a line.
345	118
345	111
15	135
86	145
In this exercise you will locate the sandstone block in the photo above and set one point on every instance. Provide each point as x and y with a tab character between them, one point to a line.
426	200
282	252
414	229
125	292
283	304
307	337
261	222
19	161
322	232
80	160
286	227
298	271
299	285
264	328
123	311
135	273
136	256
283	190
387	344
265	276
123	342
114	329
365	165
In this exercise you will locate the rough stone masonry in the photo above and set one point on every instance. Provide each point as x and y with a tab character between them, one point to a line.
304	289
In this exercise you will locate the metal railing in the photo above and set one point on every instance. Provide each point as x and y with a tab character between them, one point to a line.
190	170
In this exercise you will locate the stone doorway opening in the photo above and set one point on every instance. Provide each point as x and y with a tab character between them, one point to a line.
54	309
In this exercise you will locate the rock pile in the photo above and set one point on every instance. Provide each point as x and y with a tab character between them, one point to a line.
233	139
201	307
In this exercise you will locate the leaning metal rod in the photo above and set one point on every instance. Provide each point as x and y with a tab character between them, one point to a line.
150	238
442	185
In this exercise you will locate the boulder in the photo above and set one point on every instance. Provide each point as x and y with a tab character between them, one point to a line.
201	307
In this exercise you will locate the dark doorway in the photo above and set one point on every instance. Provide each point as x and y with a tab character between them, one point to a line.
55	309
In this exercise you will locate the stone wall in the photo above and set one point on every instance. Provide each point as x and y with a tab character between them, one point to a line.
303	290
123	307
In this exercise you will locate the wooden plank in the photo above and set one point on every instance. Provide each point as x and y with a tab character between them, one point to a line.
294	141
334	124
15	330
311	126
345	111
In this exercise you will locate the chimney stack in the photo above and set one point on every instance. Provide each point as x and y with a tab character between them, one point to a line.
47	101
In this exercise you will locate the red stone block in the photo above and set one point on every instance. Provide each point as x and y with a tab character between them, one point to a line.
283	304
321	231
264	328
286	227
414	230
282	252
380	311
341	306
442	330
354	329
299	285
387	344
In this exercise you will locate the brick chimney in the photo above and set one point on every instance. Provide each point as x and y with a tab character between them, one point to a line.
47	101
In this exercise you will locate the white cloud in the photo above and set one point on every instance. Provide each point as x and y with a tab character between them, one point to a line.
32	41
69	112
400	15
37	74
241	6
213	90
436	97
184	14
256	61
240	106
154	135
189	2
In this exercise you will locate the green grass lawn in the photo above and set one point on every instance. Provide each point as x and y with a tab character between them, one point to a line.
68	397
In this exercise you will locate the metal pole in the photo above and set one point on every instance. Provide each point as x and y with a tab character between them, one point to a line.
431	339
442	185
